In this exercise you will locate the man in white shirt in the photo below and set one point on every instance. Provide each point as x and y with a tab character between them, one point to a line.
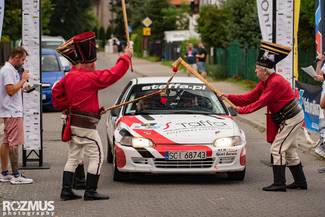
11	110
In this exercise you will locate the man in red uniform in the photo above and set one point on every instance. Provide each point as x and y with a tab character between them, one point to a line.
276	93
77	92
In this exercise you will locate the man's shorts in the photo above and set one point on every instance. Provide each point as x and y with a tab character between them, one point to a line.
201	66
13	131
1	130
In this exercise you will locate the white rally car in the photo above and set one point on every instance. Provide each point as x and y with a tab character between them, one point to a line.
186	130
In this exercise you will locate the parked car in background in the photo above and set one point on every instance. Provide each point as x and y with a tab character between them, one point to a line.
52	71
52	42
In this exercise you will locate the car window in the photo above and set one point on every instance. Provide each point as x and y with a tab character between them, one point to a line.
50	63
179	99
119	100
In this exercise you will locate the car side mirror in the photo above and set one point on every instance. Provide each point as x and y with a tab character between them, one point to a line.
66	68
115	112
232	111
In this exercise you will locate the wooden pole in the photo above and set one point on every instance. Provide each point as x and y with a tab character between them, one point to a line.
180	61
141	97
126	26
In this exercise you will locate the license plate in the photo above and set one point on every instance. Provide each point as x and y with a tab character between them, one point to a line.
43	97
186	155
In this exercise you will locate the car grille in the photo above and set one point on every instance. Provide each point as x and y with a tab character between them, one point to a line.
162	163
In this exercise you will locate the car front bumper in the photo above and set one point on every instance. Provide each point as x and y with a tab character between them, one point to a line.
149	160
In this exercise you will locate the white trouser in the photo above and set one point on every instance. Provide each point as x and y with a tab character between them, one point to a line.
85	142
284	147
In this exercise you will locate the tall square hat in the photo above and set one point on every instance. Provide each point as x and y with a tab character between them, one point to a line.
85	45
67	49
270	54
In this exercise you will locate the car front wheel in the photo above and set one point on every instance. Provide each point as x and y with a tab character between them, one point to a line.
237	176
119	176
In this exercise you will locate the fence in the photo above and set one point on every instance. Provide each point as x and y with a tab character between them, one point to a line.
240	61
5	48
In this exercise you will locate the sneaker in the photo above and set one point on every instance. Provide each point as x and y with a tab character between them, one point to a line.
5	178
20	180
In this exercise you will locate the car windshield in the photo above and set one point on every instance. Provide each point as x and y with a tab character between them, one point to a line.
50	63
179	99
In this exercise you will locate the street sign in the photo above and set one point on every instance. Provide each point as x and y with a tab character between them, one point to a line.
147	22
146	31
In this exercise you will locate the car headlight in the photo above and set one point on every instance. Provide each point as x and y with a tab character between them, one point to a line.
227	141
136	142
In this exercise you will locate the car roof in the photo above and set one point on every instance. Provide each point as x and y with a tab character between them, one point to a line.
52	38
159	80
47	51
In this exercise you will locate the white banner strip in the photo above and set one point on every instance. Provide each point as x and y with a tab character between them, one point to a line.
265	16
32	101
2	12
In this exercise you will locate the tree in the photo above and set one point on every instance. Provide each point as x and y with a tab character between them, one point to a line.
72	17
242	22
162	14
306	33
47	9
212	25
102	36
12	20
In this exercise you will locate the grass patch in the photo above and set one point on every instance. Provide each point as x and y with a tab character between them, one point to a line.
152	58
167	62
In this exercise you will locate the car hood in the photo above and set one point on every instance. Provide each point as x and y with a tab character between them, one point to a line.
51	77
178	129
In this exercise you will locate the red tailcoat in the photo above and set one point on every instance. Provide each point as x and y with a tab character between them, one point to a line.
275	93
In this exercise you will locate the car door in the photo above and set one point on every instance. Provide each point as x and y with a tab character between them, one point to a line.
115	113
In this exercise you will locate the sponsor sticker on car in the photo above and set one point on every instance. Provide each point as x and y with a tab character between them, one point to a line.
222	152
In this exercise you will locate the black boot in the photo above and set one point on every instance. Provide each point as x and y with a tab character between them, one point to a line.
299	178
67	193
279	183
79	179
91	187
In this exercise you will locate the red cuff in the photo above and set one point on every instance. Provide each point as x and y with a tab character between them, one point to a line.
125	57
241	110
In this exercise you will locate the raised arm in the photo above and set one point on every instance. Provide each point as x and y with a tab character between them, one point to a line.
106	77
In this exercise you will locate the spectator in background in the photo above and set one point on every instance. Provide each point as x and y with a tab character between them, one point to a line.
191	57
11	110
121	46
201	59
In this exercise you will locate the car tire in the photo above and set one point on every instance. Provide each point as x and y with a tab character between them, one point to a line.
119	176
237	176
109	152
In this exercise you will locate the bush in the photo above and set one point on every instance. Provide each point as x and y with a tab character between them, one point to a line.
216	71
137	38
